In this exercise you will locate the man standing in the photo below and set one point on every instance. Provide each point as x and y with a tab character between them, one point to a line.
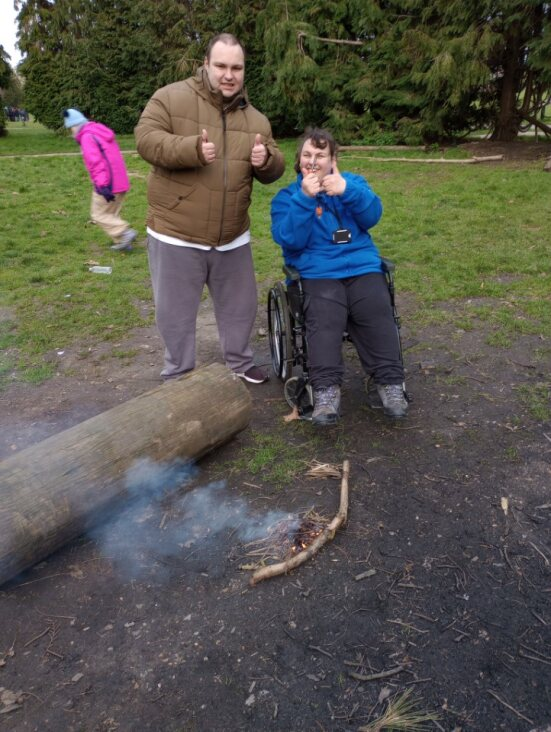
206	143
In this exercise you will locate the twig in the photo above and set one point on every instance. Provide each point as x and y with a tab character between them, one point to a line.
533	658
61	617
540	553
407	625
54	653
374	677
326	535
424	617
320	650
32	640
538	617
534	650
500	700
40	579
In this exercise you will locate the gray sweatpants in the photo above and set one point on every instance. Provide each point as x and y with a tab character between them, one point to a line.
178	276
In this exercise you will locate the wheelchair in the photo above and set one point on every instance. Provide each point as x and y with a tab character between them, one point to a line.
288	345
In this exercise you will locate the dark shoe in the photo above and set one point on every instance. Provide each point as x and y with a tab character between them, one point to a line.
393	400
126	241
254	375
327	404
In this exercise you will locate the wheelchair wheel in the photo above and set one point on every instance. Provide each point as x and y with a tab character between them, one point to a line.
279	332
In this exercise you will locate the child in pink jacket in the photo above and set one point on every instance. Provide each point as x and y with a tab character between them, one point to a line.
104	161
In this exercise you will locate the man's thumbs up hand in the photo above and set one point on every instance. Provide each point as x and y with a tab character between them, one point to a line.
259	153
207	148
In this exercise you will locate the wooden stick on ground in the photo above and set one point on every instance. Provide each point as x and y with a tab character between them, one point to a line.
451	161
328	533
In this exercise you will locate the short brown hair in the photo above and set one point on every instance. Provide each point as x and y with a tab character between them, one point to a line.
320	138
228	38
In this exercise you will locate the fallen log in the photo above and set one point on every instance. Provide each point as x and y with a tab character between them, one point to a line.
352	148
451	161
328	533
53	491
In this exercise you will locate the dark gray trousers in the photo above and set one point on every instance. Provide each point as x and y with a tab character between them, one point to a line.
178	276
361	306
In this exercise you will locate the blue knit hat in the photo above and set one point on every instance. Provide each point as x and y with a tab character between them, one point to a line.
73	117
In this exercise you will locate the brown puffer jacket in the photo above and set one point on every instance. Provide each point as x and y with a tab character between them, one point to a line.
189	199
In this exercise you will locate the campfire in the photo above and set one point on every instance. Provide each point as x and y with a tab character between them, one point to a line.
309	529
292	541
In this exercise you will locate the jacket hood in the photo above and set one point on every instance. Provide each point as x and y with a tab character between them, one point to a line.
98	130
215	97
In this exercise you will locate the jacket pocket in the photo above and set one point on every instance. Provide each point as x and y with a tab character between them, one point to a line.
167	193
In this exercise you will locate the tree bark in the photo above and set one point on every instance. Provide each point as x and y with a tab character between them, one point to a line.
508	119
53	491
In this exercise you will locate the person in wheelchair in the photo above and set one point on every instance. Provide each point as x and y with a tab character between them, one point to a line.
322	223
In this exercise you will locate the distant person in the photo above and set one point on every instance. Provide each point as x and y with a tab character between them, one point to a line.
322	223
206	144
104	161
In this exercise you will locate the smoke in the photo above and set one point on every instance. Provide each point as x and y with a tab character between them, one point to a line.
164	524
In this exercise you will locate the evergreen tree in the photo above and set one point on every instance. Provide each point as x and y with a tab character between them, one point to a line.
5	79
313	57
480	62
404	70
105	58
424	69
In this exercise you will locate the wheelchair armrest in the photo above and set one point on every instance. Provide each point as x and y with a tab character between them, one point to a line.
291	272
388	266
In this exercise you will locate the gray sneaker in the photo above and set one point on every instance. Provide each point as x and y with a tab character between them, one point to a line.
126	241
393	399
327	404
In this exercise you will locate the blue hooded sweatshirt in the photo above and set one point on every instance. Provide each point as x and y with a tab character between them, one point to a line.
304	226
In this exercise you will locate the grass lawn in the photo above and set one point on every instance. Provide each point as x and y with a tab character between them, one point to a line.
476	235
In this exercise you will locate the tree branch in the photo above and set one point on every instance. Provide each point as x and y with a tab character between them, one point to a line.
537	123
342	42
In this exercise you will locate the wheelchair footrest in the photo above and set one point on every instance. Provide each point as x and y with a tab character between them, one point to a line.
298	393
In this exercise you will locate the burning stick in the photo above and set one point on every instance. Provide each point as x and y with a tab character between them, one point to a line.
326	535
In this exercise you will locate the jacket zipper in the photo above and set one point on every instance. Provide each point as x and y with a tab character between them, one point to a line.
225	177
108	164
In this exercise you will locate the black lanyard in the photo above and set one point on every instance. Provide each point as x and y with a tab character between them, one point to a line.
332	209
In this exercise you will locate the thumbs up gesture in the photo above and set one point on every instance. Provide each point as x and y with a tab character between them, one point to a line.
207	148
259	153
334	184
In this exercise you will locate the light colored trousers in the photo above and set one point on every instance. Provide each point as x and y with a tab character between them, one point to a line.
106	214
178	276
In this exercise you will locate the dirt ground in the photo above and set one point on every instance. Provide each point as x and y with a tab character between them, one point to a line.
441	578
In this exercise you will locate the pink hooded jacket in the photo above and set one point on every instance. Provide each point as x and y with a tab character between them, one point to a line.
102	157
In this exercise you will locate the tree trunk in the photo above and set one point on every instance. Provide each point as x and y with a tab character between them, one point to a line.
508	120
53	491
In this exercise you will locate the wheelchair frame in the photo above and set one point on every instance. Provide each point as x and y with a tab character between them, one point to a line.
287	337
